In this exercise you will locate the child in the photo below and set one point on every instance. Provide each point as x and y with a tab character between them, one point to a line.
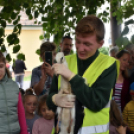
30	105
12	114
117	126
44	125
128	113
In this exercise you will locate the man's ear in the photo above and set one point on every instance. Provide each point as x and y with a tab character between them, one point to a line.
101	43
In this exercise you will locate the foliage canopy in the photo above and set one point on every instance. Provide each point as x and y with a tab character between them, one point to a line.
58	17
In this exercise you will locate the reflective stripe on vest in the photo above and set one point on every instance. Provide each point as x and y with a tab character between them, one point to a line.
94	129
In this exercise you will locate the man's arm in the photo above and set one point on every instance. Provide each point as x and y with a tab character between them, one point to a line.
38	87
36	82
97	96
24	66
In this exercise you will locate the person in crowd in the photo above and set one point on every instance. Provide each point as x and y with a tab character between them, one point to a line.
66	45
91	75
30	105
9	67
18	68
12	114
42	76
113	51
130	48
117	125
121	90
45	124
128	112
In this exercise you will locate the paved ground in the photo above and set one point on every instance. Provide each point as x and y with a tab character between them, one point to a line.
26	85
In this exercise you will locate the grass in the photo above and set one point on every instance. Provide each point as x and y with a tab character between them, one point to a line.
27	78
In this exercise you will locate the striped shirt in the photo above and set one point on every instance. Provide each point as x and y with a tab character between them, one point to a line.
117	94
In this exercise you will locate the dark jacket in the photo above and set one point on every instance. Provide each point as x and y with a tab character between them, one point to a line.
19	66
125	96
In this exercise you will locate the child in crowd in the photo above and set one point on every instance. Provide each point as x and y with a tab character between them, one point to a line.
128	112
30	105
117	126
44	125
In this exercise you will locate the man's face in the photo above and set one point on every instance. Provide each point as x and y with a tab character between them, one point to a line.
86	45
66	46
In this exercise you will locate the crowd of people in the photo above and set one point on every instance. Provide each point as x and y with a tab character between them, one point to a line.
103	87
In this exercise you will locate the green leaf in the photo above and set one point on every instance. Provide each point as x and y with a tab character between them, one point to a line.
12	39
30	17
1	41
41	37
3	23
8	57
28	11
13	15
132	38
38	51
119	41
16	41
131	21
125	31
16	48
125	41
21	56
3	48
25	5
44	19
2	32
36	14
15	22
20	27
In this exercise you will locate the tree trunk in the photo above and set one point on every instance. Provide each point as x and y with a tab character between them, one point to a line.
115	28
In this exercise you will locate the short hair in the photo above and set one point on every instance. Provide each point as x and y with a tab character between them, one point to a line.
47	46
114	49
66	37
42	101
91	25
129	47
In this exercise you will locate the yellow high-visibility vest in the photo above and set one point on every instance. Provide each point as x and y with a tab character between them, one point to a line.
94	122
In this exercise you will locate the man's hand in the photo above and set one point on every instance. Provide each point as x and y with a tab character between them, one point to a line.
43	72
63	100
48	69
61	69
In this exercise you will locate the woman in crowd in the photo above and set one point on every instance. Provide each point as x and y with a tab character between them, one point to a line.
30	105
45	124
12	114
121	90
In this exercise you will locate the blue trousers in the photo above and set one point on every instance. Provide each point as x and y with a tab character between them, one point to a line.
19	80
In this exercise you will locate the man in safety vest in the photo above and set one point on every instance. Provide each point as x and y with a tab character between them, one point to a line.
98	70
